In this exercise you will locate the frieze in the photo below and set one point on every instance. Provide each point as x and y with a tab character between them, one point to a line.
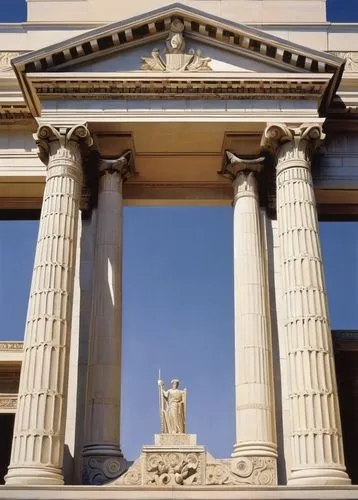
258	471
14	112
196	467
8	403
11	346
153	86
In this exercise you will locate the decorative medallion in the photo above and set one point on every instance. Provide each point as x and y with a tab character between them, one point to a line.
5	60
351	60
175	57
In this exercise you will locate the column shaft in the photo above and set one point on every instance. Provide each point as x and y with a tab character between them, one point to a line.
255	450
255	428
103	459
38	442
316	428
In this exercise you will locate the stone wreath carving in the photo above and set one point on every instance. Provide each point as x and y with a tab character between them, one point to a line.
175	57
172	469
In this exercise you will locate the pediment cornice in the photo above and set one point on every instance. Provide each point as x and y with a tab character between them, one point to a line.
200	26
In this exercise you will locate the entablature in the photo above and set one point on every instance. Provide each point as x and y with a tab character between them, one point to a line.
157	86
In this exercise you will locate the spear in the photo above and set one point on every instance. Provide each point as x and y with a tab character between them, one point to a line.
160	403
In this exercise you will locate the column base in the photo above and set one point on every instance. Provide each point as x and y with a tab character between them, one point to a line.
255	463
315	476
102	463
254	449
34	476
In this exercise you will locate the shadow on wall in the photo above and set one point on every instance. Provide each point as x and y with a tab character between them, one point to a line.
7	428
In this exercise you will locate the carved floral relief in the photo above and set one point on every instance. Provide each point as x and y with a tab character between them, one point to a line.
175	58
165	469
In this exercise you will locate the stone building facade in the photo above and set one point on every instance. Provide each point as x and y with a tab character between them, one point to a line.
94	95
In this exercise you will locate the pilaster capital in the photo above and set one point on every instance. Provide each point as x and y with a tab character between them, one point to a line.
234	165
51	139
122	166
291	145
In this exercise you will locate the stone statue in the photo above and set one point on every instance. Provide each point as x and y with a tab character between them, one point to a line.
172	408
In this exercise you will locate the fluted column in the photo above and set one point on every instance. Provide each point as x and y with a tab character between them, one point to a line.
255	448
103	459
317	446
38	442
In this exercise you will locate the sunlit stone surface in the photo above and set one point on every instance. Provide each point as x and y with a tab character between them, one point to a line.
220	102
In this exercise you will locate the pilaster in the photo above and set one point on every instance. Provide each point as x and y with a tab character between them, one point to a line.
38	441
317	448
102	455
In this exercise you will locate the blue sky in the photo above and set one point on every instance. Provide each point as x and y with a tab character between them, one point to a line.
177	300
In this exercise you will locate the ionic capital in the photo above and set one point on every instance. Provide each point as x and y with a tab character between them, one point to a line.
122	166
291	145
242	173
52	140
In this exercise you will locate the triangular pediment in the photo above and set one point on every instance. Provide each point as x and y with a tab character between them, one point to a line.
215	47
199	26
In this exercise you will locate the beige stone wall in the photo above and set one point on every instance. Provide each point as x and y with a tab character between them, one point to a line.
241	11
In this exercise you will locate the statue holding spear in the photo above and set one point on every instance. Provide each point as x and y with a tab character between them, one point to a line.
172	403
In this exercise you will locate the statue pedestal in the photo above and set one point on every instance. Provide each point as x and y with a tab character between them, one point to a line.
174	459
177	460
